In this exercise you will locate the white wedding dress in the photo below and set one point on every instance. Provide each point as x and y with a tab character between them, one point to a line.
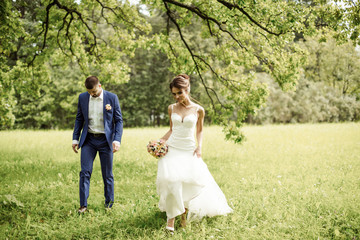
183	179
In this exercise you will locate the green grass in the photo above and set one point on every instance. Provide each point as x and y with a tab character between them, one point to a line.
284	182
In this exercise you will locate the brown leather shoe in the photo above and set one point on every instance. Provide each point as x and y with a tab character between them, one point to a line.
82	209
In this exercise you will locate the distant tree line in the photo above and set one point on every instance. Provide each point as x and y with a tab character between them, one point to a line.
311	102
328	90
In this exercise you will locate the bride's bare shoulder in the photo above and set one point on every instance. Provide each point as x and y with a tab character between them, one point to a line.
200	109
171	106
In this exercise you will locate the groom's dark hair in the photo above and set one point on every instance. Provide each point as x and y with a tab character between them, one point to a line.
91	82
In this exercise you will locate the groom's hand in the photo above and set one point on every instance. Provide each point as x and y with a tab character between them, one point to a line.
75	147
116	147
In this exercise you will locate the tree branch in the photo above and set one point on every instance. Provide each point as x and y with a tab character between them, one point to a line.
193	58
61	28
67	33
205	17
225	81
118	16
232	6
93	46
168	34
201	14
46	23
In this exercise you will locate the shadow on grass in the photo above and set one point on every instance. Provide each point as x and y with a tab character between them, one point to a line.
152	220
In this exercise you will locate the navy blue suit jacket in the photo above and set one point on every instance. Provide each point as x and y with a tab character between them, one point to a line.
113	123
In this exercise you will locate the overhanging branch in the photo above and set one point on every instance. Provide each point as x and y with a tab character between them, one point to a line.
207	88
71	12
232	6
121	16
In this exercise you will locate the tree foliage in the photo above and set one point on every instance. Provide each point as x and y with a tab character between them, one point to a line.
311	102
337	65
146	96
219	43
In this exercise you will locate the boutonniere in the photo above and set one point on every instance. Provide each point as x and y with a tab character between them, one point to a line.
108	107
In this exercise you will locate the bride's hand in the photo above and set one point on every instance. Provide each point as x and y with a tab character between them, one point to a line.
197	152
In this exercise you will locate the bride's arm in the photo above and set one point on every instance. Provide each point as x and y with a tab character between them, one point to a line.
167	135
199	131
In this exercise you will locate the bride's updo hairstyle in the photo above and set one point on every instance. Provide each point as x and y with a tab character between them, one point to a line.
181	81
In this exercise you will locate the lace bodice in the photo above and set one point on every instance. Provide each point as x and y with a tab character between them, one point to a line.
183	132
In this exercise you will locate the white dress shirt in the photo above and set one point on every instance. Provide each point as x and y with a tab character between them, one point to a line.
96	116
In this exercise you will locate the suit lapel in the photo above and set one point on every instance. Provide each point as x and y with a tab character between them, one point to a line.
86	106
104	103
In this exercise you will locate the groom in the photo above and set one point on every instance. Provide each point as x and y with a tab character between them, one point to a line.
99	117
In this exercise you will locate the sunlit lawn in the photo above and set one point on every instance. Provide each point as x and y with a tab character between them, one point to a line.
284	182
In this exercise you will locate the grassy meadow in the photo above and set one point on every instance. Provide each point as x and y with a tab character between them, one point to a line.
284	182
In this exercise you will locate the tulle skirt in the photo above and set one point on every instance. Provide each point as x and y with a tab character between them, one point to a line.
184	181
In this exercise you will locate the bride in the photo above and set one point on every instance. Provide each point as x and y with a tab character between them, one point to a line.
184	183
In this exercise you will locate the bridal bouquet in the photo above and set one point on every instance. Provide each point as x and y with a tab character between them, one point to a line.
157	148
